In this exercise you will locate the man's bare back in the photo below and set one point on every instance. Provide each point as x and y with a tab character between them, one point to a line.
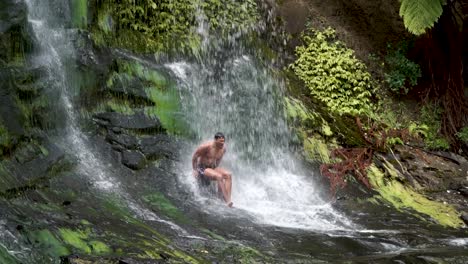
205	162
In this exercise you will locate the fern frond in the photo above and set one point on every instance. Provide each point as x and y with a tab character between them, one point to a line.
419	15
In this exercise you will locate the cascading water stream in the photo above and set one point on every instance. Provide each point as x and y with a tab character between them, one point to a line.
56	52
231	92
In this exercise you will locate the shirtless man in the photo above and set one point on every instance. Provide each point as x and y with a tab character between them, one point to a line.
205	163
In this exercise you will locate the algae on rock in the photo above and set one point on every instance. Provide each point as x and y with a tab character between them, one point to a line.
403	197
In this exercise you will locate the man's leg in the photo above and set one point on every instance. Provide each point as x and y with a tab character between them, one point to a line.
227	180
216	176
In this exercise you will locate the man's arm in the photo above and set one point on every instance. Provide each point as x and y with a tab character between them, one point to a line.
196	155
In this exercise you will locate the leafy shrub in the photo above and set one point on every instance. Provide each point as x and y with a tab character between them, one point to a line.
167	25
463	134
333	74
431	123
402	73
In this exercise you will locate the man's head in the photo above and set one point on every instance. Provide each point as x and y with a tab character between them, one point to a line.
219	138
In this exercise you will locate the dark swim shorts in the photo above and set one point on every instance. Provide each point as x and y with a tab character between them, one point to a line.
205	181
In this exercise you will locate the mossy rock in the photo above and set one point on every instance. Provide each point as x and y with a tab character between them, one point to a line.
7	258
403	197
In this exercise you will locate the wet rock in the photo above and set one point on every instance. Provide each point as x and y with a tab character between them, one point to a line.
133	159
36	168
463	191
132	88
464	217
431	171
124	140
157	146
12	12
27	152
136	121
12	119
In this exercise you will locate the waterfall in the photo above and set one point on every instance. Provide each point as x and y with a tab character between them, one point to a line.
56	54
230	91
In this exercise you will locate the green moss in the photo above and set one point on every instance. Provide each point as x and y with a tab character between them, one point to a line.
168	26
75	239
5	257
297	112
99	247
5	139
48	243
79	13
245	254
163	205
167	109
212	234
316	149
404	197
119	106
80	240
161	93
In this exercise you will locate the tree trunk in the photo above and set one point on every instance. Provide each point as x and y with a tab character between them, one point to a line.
442	64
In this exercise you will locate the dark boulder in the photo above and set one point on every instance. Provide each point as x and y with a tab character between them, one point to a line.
158	146
133	159
124	140
12	12
464	217
131	88
136	121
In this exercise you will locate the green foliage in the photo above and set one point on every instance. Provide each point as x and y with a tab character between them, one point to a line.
167	25
333	74
228	16
79	13
431	119
463	134
391	141
419	15
4	138
402	73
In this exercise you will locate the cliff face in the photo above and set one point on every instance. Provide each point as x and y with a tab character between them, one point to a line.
365	26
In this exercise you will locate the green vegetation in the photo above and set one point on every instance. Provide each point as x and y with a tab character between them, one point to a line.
79	13
47	242
463	134
430	127
5	140
333	74
403	197
402	74
419	15
163	205
164	26
5	257
79	239
133	85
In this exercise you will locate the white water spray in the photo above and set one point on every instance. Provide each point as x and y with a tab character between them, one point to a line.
56	50
240	99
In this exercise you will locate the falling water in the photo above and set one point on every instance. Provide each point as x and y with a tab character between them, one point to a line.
56	54
230	91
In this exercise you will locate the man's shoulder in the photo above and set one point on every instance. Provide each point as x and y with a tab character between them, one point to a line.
205	145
